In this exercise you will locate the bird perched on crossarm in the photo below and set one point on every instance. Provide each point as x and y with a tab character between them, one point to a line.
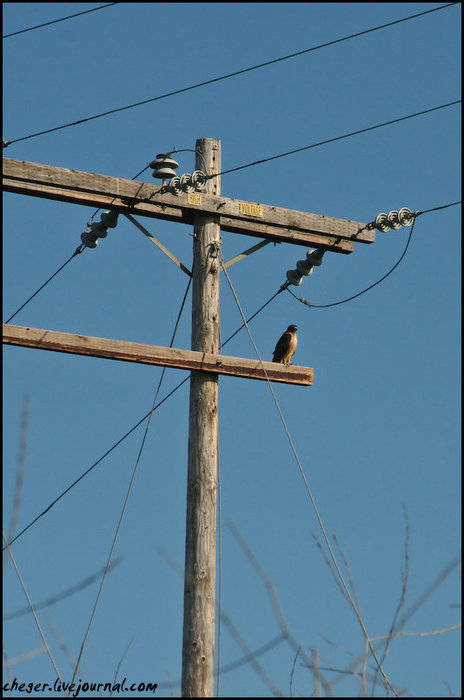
286	346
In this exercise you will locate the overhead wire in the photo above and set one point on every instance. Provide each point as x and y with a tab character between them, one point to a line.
228	75
61	19
335	138
284	286
387	682
443	206
23	586
78	250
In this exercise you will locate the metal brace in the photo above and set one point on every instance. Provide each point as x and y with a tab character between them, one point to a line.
167	252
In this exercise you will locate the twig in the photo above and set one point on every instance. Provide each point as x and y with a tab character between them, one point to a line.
24	657
119	664
317	674
18	492
251	658
328	562
293	670
348	571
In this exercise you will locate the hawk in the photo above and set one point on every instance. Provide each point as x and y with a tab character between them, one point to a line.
286	346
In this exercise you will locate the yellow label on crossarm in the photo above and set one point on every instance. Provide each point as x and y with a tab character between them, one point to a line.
194	198
251	209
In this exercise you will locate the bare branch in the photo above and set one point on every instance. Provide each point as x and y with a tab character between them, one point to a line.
25	657
401	633
272	594
64	594
328	562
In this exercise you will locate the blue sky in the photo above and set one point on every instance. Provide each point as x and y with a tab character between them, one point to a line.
379	432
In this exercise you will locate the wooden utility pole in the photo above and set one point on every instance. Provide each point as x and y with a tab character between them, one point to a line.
210	213
200	541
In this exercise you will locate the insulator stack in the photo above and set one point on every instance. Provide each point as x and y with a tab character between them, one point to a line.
164	167
305	267
99	229
393	220
195	182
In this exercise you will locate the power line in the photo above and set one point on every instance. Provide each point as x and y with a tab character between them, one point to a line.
284	286
337	138
46	24
443	206
78	250
227	76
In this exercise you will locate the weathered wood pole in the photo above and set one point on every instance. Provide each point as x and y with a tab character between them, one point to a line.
200	542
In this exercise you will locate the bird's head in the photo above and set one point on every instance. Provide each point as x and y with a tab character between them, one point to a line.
292	328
